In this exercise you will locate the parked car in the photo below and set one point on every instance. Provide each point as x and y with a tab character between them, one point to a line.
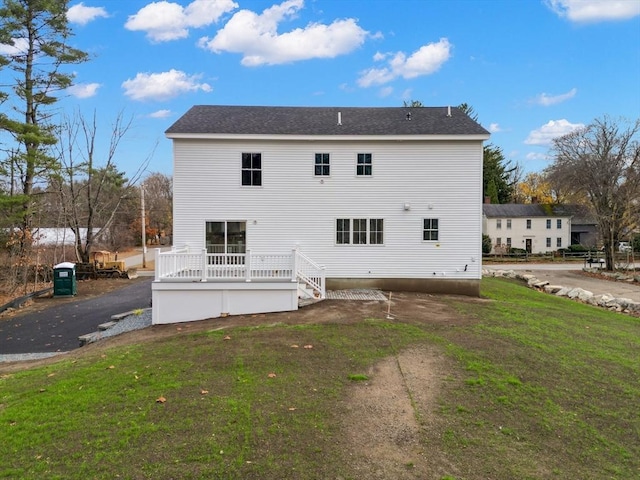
624	247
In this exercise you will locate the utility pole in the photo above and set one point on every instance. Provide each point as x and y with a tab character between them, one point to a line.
144	229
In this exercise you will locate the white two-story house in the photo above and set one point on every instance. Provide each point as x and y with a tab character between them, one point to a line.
535	228
270	198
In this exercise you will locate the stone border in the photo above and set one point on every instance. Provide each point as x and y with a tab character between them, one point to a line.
605	300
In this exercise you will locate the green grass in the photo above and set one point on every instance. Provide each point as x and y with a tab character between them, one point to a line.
536	387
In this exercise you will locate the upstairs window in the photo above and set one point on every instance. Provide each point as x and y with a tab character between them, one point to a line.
559	223
364	166
499	223
252	169
322	166
430	229
508	224
548	223
528	224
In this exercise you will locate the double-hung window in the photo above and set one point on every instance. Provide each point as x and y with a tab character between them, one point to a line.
322	167
548	223
360	231
498	223
528	224
559	223
252	169
430	229
364	166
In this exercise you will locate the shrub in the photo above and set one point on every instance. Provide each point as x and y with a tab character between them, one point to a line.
486	243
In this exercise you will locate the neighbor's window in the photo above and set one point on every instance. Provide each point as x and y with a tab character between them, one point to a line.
528	224
343	231
499	223
559	242
548	224
559	223
430	229
364	166
360	231
322	167
548	242
508	242
252	169
508	223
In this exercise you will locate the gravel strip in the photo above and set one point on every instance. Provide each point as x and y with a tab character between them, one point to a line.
20	357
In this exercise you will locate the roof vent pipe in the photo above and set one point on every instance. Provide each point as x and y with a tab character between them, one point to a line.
339	118
449	111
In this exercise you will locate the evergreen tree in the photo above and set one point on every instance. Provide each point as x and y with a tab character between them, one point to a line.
39	34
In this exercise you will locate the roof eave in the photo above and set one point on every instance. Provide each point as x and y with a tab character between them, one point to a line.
397	138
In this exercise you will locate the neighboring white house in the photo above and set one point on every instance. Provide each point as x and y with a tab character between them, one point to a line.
267	197
535	228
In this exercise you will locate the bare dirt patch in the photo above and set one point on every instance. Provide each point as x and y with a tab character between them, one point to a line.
386	417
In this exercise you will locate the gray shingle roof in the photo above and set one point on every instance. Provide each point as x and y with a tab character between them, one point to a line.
518	210
580	214
238	120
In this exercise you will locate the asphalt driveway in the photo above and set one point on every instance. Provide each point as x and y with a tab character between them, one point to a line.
57	328
570	275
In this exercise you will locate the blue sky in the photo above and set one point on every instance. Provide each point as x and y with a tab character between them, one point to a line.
531	69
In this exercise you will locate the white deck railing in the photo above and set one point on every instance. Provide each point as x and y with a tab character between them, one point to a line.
185	265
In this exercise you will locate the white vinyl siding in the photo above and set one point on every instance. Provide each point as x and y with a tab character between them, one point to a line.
439	179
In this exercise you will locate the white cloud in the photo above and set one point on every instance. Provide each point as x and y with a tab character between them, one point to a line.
426	60
82	15
534	157
553	129
585	11
494	128
84	90
164	21
386	91
256	37
546	100
378	57
20	46
162	86
160	114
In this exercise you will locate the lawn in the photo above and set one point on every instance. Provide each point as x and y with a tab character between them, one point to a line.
536	387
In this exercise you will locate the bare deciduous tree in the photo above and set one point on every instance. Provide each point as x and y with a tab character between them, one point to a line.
602	161
90	191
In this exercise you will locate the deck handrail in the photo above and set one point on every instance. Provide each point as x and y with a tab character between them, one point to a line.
185	264
310	272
